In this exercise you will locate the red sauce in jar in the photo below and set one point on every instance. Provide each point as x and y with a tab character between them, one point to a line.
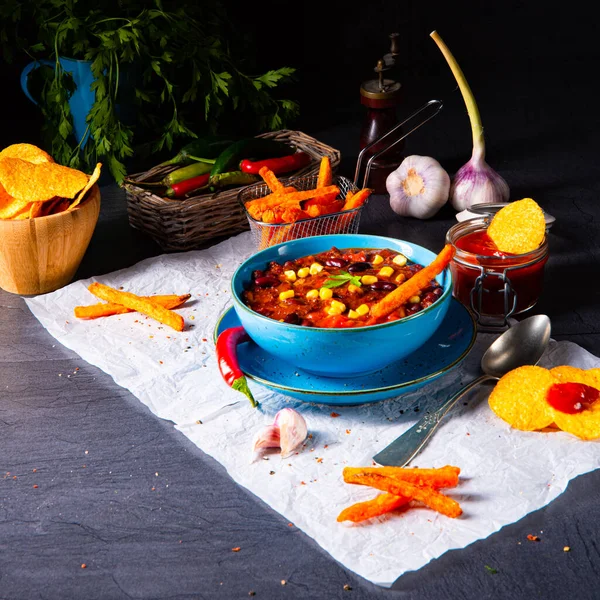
479	242
476	250
572	398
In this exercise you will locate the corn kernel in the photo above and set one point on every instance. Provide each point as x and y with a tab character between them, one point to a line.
303	272
363	310
336	308
401	278
368	279
286	295
414	300
386	271
353	288
315	268
400	260
325	293
377	260
352	314
312	294
290	275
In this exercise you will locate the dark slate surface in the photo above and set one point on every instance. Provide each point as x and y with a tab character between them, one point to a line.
152	517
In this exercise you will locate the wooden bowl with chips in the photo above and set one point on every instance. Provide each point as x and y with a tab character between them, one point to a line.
42	254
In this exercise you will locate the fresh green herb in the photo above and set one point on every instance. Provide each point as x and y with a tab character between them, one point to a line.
491	570
164	70
337	280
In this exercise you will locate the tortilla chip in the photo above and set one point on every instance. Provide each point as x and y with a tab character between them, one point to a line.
584	424
519	227
39	182
10	206
519	398
36	210
23	213
93	178
28	152
568	374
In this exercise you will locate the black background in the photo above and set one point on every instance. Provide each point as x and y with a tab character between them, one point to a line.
521	59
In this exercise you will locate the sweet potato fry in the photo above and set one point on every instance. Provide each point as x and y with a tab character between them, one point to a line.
443	477
325	176
357	199
318	210
293	214
271	180
142	305
396	298
273	200
327	199
428	496
382	504
106	310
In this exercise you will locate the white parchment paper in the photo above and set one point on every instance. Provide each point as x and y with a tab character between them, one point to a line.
505	474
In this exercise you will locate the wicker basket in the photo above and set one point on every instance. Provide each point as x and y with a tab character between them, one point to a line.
185	224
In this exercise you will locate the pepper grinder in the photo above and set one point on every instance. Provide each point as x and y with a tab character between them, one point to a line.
382	96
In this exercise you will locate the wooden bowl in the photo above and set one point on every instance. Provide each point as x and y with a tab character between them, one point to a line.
41	255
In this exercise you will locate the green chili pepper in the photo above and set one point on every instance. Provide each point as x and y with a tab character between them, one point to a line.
230	178
193	170
208	147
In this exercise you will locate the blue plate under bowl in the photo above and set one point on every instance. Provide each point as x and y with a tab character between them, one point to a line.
445	350
340	352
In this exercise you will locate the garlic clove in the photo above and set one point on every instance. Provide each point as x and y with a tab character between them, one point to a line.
267	437
292	430
477	183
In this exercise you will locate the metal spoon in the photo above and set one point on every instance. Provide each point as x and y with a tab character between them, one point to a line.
523	344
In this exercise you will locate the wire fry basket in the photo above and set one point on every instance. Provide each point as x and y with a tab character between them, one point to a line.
269	234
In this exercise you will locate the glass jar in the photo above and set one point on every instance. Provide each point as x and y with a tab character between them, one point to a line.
499	286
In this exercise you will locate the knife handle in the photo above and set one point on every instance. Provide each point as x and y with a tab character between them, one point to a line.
404	448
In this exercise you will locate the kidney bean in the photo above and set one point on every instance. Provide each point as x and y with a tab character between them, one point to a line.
340	263
411	309
383	286
428	299
359	267
257	273
266	281
292	319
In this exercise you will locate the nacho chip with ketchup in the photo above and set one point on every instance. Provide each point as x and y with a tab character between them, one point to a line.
518	227
575	400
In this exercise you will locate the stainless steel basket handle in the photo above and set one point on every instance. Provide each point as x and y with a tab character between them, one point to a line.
432	103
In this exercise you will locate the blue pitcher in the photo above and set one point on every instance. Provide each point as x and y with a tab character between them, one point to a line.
83	97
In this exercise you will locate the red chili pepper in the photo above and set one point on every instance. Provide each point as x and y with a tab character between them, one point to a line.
228	364
285	164
183	187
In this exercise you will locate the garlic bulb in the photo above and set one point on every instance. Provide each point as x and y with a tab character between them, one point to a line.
419	187
287	432
475	182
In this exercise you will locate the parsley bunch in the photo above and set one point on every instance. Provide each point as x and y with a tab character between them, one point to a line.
171	61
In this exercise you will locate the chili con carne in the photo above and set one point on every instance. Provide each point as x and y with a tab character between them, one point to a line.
336	288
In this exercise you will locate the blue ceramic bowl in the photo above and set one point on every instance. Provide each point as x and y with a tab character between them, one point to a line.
339	352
